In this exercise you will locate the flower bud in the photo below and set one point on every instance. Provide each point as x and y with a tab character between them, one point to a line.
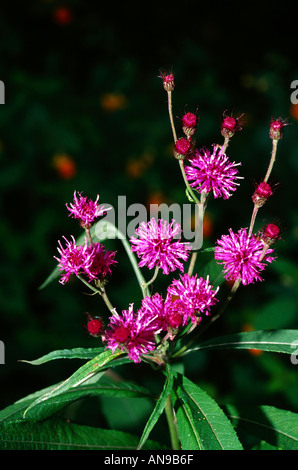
94	326
189	121
230	125
262	193
270	234
182	148
168	81
276	129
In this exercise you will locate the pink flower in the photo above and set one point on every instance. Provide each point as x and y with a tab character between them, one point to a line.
170	313
102	260
196	294
155	245
240	255
93	261
86	211
132	332
212	172
74	259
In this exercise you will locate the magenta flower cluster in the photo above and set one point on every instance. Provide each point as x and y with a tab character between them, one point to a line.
136	333
158	245
92	260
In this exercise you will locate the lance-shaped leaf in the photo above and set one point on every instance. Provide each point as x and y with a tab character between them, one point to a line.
84	373
275	426
75	353
159	407
281	341
58	434
202	424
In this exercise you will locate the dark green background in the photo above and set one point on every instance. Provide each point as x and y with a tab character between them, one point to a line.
230	57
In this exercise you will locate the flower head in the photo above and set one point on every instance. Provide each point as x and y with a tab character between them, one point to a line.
74	259
170	313
196	294
84	210
156	245
102	261
132	332
240	254
212	172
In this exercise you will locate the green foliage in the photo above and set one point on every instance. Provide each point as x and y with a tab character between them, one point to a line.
35	422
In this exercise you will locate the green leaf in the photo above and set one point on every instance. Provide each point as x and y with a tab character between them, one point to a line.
76	353
281	341
15	411
277	427
84	373
159	407
202	425
104	387
58	434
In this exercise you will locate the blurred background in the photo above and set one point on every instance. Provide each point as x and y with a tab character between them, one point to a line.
84	109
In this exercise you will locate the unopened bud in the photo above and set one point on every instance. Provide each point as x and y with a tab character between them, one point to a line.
230	125
270	234
261	194
190	122
168	81
94	326
276	129
182	148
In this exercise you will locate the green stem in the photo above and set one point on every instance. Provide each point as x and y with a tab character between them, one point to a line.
146	284
170	108
101	291
175	443
272	160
